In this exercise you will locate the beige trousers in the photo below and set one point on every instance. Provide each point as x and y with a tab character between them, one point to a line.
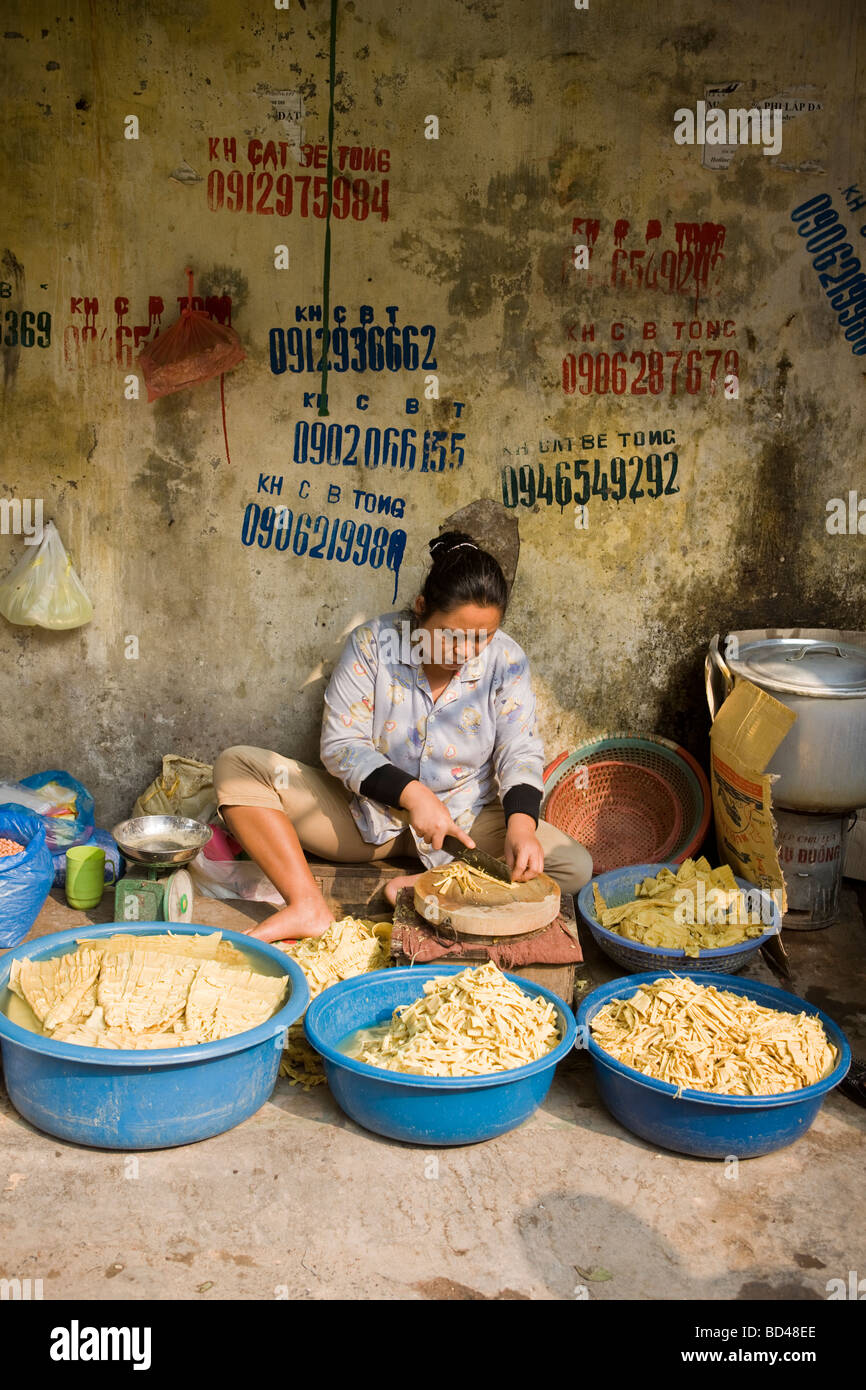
317	804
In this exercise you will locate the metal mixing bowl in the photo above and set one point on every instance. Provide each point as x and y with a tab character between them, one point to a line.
161	841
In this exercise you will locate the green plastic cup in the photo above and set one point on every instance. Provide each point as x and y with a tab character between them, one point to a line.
85	875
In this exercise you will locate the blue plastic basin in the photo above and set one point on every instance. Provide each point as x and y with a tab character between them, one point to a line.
617	887
125	1099
697	1122
430	1110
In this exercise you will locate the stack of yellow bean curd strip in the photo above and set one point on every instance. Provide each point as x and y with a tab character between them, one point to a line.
693	909
349	947
469	1024
147	991
705	1039
465	878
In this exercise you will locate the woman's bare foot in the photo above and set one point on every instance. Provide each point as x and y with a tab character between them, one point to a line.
393	886
303	917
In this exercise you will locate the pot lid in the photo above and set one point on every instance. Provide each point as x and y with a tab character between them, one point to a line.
803	666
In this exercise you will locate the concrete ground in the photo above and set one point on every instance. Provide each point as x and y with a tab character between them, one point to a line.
299	1202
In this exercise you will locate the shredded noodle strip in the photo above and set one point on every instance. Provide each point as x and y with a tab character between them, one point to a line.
465	878
349	947
706	1039
469	1024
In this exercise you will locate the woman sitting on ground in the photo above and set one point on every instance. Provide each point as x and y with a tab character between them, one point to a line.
428	731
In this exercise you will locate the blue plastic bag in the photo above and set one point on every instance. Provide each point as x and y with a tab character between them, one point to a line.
25	879
61	833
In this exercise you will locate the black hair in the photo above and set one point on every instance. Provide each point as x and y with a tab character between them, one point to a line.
462	572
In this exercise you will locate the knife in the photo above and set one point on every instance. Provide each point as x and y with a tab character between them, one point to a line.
477	859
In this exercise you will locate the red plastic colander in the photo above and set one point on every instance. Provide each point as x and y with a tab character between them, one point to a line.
625	814
629	800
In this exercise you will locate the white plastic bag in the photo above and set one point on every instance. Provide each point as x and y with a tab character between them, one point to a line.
43	589
23	796
233	878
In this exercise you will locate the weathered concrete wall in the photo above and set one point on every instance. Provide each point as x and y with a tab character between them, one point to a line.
551	120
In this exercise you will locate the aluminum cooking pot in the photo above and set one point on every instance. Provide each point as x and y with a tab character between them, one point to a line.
821	675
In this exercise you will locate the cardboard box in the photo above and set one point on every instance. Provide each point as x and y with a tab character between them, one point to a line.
746	733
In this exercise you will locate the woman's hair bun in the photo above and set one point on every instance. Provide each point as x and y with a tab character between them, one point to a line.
462	572
442	545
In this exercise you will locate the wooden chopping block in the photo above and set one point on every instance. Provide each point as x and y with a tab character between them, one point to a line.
492	910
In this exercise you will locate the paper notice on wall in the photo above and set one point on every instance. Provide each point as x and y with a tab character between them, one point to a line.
746	733
802	141
287	109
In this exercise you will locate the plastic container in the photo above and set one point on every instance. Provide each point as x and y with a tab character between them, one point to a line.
114	860
124	1099
429	1110
697	1122
617	887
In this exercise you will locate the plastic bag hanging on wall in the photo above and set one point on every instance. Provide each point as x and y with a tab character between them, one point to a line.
43	589
193	350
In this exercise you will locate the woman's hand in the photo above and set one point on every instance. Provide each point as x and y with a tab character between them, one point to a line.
523	853
429	817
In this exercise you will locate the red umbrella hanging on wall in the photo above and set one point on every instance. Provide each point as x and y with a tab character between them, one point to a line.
193	350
